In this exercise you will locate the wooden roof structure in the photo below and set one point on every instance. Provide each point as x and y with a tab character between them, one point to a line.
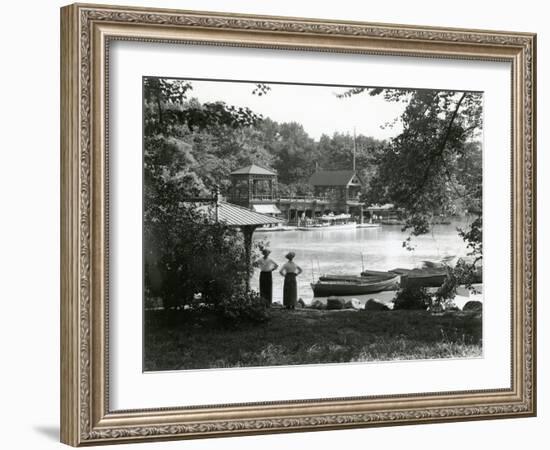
333	178
253	169
237	216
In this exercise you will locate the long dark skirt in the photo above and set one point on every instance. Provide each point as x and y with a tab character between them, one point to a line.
290	291
266	287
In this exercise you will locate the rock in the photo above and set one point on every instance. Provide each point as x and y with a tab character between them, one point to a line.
317	304
335	303
473	305
276	305
353	304
373	304
300	304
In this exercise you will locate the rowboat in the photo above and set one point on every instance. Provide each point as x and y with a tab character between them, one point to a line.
328	285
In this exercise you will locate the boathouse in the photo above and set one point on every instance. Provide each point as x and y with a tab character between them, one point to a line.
334	192
342	188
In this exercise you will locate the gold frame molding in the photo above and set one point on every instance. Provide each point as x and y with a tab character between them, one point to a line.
86	31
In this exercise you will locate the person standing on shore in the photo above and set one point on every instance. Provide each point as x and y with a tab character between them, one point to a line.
290	270
266	265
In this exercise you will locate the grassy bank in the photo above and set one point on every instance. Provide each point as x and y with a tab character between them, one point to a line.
307	336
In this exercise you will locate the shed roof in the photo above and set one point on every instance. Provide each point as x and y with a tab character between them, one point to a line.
235	216
332	177
253	169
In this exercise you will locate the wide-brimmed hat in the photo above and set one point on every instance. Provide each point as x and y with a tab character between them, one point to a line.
290	255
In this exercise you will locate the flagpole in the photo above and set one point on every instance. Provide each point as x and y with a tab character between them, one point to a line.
354	148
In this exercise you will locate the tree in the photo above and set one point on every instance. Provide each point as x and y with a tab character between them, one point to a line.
294	153
433	167
185	251
435	160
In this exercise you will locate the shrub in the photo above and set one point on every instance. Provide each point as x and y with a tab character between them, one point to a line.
413	297
242	308
375	305
335	303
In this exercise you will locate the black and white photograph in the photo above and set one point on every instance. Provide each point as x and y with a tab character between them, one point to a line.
289	224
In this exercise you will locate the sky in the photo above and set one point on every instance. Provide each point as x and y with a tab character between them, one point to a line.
315	107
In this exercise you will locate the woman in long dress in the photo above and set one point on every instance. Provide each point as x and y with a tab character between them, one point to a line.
290	270
266	265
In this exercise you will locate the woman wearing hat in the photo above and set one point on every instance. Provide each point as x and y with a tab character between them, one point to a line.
290	270
266	265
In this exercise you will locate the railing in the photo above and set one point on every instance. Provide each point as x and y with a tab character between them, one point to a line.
263	198
294	199
306	199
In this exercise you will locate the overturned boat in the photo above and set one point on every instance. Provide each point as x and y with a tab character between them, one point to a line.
431	274
425	277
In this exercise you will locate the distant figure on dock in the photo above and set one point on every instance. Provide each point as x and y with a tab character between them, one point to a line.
266	265
290	270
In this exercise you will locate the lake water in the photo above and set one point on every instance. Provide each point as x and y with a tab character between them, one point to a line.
339	252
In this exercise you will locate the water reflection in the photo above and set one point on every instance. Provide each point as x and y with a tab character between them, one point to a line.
339	251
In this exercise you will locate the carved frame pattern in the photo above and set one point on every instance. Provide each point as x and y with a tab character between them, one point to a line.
86	418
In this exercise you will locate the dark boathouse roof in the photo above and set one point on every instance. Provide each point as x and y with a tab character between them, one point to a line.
333	177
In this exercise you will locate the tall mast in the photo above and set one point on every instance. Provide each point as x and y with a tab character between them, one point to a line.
354	148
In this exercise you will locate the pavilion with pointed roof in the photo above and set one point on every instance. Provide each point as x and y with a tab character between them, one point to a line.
254	187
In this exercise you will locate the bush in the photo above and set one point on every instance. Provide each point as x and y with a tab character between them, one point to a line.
413	297
375	305
335	303
242	308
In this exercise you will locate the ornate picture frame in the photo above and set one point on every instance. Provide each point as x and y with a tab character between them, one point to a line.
86	34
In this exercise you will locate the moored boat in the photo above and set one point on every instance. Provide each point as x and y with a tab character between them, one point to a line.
328	222
329	227
328	285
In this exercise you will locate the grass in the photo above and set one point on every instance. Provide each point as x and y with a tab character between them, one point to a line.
307	336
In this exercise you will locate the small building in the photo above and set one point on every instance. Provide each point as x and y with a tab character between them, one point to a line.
341	187
254	187
334	192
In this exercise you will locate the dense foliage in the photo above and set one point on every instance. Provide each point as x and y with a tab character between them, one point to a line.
434	168
187	254
412	297
242	308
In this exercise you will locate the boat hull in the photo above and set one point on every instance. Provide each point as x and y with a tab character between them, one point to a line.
353	286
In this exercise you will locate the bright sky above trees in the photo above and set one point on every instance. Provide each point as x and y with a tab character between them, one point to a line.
315	107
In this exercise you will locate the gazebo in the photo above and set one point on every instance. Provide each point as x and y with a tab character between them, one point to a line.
255	188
